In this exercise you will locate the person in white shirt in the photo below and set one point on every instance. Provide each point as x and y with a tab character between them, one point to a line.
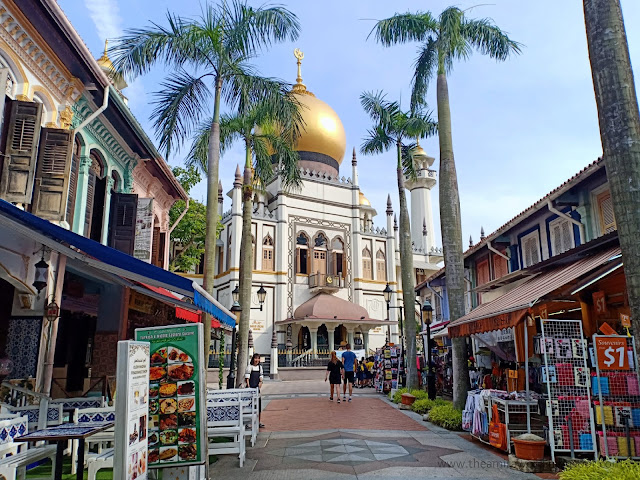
253	378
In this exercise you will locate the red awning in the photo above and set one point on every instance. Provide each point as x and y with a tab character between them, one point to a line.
182	313
510	308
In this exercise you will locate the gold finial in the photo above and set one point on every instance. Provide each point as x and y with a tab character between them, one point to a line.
300	87
106	44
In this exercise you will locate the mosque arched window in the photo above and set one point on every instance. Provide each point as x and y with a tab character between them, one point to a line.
302	254
367	272
338	258
381	266
229	238
11	84
319	265
268	260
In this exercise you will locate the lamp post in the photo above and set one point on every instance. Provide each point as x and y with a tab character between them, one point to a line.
236	309
427	310
387	298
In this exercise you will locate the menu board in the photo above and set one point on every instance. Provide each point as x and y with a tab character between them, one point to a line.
132	411
177	395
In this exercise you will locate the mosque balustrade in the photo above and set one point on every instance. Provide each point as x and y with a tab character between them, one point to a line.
325	282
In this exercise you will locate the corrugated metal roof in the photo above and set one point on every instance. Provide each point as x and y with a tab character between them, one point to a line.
526	294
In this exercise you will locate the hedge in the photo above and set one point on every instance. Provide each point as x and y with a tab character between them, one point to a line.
446	416
600	470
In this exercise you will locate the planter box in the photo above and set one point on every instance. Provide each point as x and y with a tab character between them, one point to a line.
408	399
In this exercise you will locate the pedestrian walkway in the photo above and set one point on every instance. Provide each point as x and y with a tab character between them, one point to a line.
307	437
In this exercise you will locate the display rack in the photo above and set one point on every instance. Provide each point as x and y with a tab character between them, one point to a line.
514	411
565	372
616	389
388	368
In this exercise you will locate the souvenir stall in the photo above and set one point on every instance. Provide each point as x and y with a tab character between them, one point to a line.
504	403
388	368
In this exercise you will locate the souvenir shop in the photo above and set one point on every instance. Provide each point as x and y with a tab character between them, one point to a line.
564	369
388	368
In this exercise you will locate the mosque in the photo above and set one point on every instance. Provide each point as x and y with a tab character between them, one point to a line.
316	251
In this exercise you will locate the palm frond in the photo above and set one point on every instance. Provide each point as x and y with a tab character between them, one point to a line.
232	129
451	42
138	50
380	110
425	66
178	108
199	151
489	39
262	162
377	140
408	164
420	125
405	27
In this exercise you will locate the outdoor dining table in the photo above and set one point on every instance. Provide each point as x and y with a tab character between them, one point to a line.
61	434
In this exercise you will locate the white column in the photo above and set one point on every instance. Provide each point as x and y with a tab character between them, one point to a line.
81	195
350	336
365	339
331	332
236	224
107	211
313	331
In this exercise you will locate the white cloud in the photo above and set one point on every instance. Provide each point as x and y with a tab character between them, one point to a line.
106	17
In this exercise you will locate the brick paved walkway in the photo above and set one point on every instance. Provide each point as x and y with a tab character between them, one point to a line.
321	414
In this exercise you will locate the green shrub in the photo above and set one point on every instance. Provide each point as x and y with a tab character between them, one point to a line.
446	416
397	397
422	405
419	394
626	470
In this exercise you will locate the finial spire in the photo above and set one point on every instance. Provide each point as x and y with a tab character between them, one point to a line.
389	207
300	87
238	179
106	45
354	161
482	237
395	222
470	241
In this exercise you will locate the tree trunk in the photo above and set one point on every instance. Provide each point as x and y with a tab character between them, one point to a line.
620	133
213	163
408	286
246	268
450	222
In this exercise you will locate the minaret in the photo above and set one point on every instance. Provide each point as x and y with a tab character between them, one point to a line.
354	168
220	200
420	189
424	235
236	219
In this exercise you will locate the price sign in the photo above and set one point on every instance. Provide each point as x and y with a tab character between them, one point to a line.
600	302
543	312
612	353
625	320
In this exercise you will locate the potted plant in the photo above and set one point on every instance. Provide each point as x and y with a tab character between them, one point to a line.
529	446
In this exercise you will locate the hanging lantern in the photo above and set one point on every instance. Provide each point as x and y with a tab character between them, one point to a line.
52	311
42	269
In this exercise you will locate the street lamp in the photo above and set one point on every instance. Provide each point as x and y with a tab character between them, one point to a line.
236	309
387	298
427	310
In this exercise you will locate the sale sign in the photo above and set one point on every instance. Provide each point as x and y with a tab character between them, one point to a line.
600	302
612	353
625	320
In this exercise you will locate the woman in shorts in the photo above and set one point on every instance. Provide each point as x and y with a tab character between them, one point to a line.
335	372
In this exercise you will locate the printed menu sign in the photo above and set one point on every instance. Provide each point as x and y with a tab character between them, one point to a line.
132	411
177	383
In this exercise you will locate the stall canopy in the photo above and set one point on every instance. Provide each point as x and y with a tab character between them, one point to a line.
107	259
509	309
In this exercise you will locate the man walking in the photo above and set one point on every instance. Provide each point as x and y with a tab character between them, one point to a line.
349	360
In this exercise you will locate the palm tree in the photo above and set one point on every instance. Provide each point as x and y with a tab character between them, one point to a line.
209	58
268	129
450	37
620	132
392	127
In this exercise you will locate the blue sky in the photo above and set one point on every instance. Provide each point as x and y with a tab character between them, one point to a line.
520	128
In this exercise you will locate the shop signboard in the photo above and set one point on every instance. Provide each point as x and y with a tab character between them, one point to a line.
132	411
612	353
600	302
625	320
177	395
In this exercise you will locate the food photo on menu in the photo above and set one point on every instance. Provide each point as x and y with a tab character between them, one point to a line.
172	435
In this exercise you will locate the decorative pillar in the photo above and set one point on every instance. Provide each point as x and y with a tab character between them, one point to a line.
350	336
365	340
81	195
331	333
236	222
107	211
313	330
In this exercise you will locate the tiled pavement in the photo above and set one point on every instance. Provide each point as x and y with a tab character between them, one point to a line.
310	438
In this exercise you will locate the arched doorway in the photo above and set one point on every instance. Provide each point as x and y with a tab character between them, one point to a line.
340	335
304	339
323	339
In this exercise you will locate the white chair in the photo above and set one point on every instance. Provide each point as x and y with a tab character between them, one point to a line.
224	419
92	415
251	413
16	456
98	462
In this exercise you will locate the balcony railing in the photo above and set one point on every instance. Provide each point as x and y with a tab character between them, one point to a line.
324	280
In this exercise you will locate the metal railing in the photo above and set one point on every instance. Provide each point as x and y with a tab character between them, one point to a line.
325	280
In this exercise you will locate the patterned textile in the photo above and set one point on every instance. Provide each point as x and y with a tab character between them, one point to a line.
103	361
224	413
23	345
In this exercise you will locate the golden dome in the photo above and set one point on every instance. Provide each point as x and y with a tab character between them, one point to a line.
323	130
107	67
364	200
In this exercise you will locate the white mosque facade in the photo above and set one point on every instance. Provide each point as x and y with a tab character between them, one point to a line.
316	250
